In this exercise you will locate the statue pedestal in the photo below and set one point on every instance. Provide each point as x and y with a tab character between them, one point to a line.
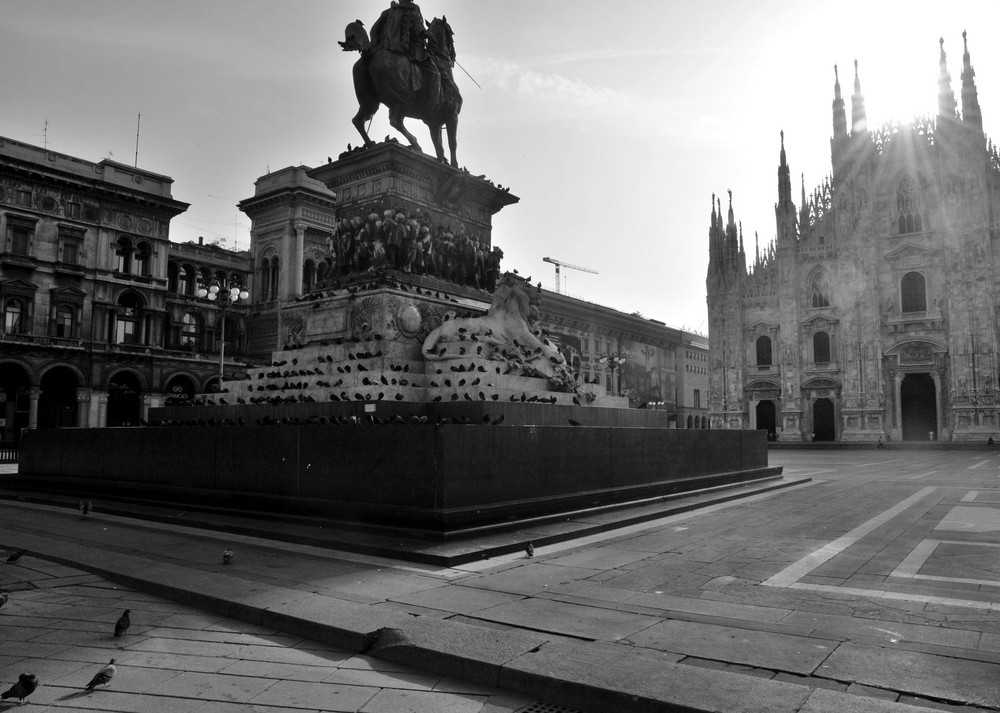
392	175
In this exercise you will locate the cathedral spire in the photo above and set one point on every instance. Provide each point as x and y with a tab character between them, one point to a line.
839	113
803	207
946	97
971	113
784	181
859	119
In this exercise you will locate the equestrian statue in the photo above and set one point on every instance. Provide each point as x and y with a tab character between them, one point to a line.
407	67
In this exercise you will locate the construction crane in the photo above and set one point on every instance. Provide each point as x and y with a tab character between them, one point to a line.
560	263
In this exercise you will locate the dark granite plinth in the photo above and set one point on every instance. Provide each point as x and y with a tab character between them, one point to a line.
436	478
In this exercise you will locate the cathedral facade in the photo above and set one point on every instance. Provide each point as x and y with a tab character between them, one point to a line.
873	315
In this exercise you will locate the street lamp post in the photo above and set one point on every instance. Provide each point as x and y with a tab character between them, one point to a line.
226	294
614	363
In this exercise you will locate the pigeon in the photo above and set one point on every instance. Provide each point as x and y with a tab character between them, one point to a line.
529	550
574	423
104	676
4	596
227	556
497	421
122	625
25	686
15	556
85	507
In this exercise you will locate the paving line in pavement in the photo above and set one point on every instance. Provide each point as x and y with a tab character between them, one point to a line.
922	475
979	464
796	571
882	594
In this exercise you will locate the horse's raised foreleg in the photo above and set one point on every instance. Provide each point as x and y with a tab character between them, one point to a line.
396	122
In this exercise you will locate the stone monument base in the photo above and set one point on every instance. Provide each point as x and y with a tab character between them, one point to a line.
395	475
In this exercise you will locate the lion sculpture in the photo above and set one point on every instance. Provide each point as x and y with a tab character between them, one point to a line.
504	333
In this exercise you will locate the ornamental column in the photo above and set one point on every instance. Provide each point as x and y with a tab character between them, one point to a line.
33	393
298	258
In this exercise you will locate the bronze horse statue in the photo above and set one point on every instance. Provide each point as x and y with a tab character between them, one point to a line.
385	77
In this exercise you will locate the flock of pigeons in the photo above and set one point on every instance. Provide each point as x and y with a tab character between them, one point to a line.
27	682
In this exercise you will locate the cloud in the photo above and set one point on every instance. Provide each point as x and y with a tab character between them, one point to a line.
552	89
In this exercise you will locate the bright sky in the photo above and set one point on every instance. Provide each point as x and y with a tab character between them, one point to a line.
614	122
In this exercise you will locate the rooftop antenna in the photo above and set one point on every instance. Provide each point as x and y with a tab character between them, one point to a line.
137	120
45	134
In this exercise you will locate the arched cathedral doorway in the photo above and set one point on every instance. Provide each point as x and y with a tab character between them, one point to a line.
824	421
767	417
918	407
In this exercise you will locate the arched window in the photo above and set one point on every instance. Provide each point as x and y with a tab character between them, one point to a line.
205	277
128	326
123	256
764	351
190	331
913	293
272	291
140	264
690	422
909	207
64	321
185	280
308	275
821	348
13	317
321	271
819	292
264	280
172	273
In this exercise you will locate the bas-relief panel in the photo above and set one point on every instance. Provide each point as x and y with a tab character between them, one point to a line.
326	322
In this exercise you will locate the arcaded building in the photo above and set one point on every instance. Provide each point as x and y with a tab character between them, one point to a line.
873	315
101	317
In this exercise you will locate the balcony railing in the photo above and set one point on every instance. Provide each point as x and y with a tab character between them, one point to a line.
17	260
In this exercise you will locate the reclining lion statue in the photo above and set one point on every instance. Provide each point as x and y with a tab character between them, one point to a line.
504	333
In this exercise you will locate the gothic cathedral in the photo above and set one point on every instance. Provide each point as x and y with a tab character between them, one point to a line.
873	315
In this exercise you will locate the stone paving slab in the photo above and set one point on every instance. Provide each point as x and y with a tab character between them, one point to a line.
782	652
890	631
608	677
586	622
941	677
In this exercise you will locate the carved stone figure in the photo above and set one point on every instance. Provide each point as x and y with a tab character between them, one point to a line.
505	333
408	70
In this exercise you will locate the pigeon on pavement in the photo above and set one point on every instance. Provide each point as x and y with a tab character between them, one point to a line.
16	556
4	596
25	686
85	507
529	550
227	556
104	676
123	623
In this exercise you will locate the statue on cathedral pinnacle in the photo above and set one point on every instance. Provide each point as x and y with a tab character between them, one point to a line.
406	64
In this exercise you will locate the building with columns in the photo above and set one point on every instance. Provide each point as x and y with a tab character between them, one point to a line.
873	315
101	318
